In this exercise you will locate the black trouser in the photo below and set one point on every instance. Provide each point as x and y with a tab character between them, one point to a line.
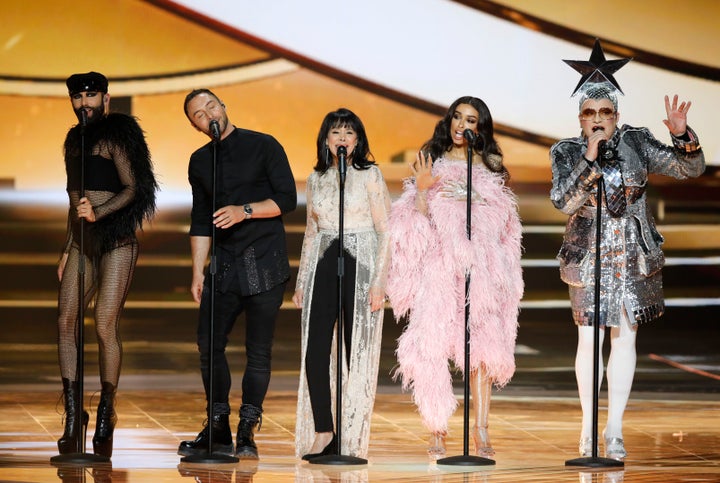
261	311
323	315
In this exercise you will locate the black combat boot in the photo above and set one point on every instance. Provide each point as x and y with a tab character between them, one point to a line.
221	434
250	416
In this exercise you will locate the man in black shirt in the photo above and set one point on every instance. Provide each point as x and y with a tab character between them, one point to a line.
254	188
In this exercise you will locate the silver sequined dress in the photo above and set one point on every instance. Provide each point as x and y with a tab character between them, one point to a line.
631	254
367	207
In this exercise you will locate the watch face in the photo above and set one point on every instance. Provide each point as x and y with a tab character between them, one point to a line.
248	209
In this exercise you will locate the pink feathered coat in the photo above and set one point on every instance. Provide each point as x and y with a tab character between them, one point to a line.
430	256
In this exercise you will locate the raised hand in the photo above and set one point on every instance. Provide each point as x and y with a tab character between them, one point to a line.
676	120
422	171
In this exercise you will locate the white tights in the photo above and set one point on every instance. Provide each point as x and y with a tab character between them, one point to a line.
620	373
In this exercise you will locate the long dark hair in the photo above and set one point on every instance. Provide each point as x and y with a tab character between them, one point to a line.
485	143
361	156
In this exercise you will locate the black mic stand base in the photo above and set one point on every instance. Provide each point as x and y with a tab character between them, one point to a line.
465	460
338	459
81	459
594	462
210	459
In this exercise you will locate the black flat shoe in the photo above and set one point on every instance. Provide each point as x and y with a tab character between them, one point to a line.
331	448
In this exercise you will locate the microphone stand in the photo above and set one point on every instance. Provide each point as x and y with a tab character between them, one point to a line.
339	458
466	459
81	457
595	461
209	457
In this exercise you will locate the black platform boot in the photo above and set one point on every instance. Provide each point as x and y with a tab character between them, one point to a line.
250	416
222	436
106	421
76	420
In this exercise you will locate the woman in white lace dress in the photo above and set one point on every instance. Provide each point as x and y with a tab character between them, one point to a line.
365	248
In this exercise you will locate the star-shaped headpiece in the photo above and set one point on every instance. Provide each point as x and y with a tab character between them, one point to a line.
597	69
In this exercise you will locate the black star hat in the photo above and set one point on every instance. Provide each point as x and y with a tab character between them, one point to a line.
597	69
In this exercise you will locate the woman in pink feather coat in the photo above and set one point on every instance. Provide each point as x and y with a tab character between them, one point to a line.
430	257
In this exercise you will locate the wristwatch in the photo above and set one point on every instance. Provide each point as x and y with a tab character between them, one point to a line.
248	211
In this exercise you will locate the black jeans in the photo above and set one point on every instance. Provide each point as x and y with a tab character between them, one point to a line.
323	316
261	311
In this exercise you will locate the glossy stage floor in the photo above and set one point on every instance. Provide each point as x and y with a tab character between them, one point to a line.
669	440
672	428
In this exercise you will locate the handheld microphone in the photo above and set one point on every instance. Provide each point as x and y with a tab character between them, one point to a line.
83	117
215	130
469	135
342	162
83	120
605	151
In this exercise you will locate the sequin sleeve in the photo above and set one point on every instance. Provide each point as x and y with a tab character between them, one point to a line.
684	159
689	143
573	178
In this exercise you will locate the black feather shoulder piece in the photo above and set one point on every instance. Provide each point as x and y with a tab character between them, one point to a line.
123	133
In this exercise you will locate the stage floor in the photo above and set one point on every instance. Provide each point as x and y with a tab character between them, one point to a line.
672	429
668	440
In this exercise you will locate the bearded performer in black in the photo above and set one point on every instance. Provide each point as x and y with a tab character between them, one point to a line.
115	195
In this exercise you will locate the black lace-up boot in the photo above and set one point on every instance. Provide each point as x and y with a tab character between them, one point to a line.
222	436
250	416
76	420
106	421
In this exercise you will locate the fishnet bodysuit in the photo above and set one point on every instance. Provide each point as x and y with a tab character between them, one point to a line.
107	273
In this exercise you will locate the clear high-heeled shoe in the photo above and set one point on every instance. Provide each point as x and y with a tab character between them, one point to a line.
585	447
615	449
481	388
436	445
483	447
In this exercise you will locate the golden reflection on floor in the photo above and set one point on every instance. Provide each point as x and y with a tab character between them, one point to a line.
667	440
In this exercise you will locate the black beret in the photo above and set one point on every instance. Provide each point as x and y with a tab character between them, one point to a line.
91	81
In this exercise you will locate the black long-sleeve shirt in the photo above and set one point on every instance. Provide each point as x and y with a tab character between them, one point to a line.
251	167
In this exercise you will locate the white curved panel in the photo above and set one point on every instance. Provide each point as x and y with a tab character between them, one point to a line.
439	50
162	85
